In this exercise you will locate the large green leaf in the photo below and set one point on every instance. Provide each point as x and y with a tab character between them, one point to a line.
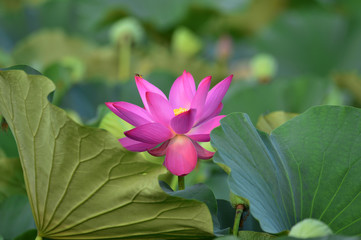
80	183
308	167
201	193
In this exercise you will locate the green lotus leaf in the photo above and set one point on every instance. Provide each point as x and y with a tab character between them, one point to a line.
307	168
80	183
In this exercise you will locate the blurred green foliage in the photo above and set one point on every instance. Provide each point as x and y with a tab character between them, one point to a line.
286	55
260	42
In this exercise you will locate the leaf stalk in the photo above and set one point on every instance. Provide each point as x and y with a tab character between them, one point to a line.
237	219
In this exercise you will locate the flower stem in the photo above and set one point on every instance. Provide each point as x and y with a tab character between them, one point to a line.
180	182
237	219
125	48
38	238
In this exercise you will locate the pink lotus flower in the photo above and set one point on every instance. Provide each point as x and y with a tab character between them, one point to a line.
178	124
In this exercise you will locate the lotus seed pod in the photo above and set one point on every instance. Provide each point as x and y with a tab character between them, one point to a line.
237	200
127	27
309	228
185	42
224	47
263	66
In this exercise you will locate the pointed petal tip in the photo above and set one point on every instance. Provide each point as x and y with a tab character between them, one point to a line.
215	97
109	104
206	79
230	77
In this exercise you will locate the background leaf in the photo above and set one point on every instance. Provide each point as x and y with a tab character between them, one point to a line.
8	144
81	184
11	178
330	40
294	95
84	98
249	235
308	167
15	216
267	123
30	234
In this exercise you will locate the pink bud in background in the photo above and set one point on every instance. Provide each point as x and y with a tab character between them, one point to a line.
224	47
173	127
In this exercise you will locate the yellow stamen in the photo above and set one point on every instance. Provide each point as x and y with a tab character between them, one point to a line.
179	111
